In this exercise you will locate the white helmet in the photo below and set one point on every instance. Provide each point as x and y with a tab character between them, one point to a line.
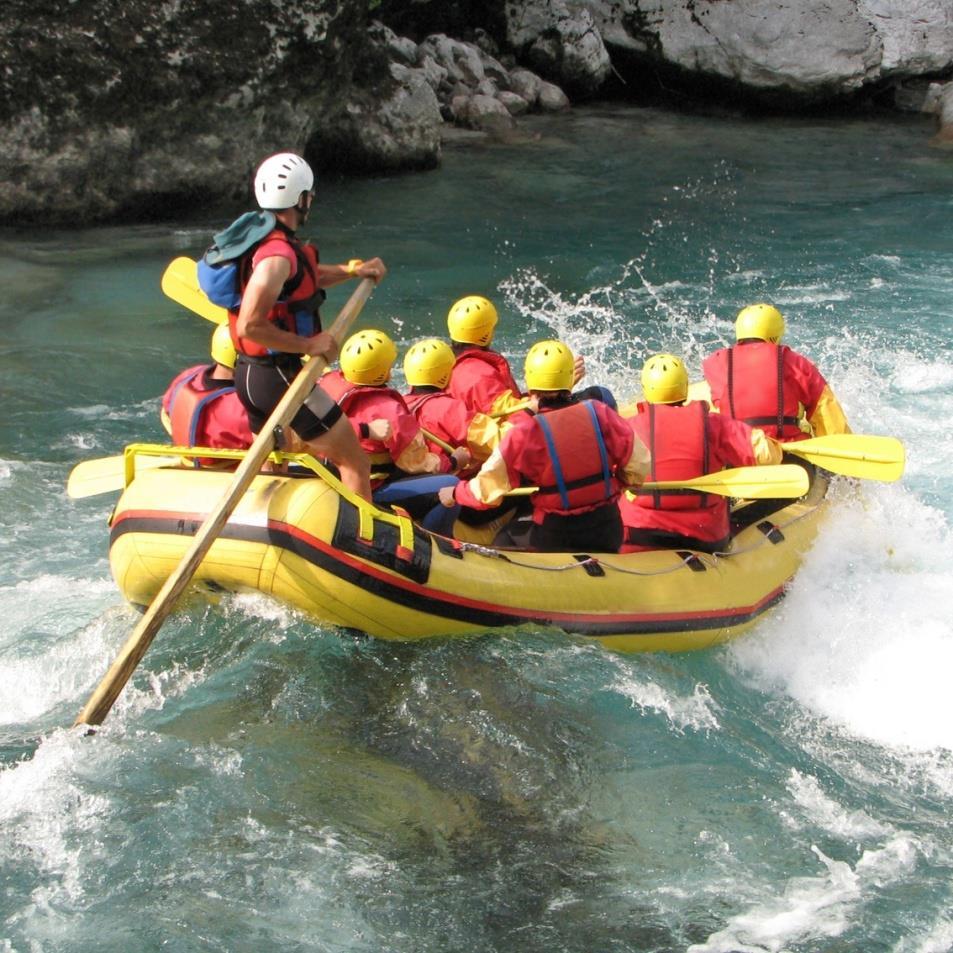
281	179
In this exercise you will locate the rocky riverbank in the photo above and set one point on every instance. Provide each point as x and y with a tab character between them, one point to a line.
114	110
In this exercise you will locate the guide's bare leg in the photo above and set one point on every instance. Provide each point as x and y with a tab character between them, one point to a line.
340	446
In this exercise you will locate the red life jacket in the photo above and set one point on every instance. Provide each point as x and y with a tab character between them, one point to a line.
297	307
677	438
346	394
748	383
187	405
577	475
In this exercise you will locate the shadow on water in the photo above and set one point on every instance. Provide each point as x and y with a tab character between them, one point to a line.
455	770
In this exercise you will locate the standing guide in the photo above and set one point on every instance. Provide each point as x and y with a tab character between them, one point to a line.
274	317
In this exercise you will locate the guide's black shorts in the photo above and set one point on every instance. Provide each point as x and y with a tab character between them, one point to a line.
261	383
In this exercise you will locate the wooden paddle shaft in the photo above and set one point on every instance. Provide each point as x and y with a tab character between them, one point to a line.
102	700
433	438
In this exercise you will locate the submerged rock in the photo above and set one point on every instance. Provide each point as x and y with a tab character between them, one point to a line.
942	105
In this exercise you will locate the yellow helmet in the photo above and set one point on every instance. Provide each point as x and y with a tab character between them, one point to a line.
549	366
367	357
223	351
762	321
472	320
664	379
428	363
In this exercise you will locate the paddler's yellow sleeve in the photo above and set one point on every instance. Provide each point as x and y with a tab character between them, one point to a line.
767	452
638	466
489	486
828	417
416	458
483	436
507	403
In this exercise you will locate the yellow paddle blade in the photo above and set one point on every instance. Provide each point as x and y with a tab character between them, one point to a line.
853	454
108	474
788	480
180	283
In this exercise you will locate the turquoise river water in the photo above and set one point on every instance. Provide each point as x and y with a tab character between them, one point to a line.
264	784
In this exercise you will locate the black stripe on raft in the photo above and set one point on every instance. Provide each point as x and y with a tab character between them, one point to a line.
434	603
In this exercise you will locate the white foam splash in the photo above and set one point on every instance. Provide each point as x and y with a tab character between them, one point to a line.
130	411
695	712
43	809
865	638
51	666
915	375
938	939
256	605
821	810
812	908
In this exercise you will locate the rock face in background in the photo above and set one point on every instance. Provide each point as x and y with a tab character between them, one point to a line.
110	107
114	109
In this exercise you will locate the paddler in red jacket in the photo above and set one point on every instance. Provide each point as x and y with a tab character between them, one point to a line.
200	407
579	453
386	430
767	384
685	440
481	377
403	469
277	322
427	368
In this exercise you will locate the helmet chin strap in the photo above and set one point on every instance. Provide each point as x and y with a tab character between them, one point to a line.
302	209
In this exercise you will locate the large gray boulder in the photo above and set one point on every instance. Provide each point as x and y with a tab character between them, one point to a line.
791	52
560	39
401	130
813	49
114	108
916	35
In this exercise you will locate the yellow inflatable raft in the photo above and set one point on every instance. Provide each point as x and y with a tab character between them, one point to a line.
344	562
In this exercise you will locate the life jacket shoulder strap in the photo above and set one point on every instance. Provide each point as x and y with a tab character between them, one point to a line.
415	401
304	265
565	424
